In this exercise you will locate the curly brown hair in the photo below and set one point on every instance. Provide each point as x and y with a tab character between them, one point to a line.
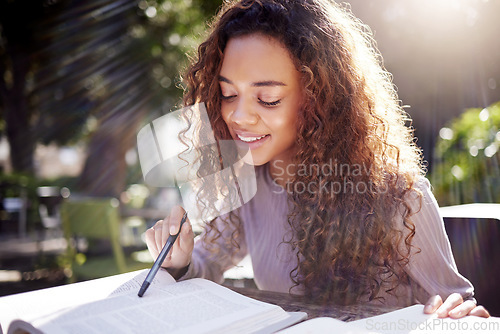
347	246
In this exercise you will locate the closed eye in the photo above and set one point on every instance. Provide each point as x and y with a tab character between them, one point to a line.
270	104
227	97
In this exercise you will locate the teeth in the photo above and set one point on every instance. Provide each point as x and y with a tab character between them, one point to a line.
250	139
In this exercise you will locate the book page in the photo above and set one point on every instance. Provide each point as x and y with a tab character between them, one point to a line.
35	304
194	305
184	307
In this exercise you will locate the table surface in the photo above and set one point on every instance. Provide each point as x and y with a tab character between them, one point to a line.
292	303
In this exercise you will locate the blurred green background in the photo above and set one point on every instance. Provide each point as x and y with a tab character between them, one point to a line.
79	78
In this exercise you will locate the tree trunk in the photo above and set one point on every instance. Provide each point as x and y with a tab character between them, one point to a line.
105	170
17	115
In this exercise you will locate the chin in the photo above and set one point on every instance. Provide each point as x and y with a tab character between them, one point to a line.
250	160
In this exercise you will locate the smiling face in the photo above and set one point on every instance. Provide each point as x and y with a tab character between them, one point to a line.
261	96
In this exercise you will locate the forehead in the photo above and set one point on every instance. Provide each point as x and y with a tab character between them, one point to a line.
257	57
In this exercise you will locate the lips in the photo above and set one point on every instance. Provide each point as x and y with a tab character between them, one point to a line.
250	139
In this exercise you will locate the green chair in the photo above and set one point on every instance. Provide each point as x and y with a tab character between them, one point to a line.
97	222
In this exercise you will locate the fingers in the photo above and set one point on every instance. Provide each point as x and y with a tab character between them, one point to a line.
175	219
462	310
169	226
157	236
154	237
449	304
151	243
480	311
455	307
186	238
432	304
161	233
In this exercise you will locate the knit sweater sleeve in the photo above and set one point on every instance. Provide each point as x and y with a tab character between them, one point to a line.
432	265
205	264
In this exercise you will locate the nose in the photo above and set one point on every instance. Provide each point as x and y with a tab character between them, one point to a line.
244	113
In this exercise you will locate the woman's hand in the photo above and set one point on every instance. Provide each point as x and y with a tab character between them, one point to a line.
454	307
179	256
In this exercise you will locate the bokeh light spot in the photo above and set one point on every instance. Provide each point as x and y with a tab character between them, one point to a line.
484	115
150	12
446	133
457	172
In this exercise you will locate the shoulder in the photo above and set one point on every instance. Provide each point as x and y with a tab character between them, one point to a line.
420	196
424	215
419	206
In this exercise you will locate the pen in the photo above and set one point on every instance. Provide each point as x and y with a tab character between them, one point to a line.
159	260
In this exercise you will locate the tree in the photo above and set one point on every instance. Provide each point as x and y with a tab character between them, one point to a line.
164	32
113	62
50	54
467	158
19	54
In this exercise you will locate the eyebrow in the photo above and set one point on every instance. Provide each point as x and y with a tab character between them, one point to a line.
266	83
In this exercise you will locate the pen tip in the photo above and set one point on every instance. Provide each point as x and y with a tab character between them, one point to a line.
143	289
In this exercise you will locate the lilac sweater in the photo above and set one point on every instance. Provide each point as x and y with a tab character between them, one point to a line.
432	271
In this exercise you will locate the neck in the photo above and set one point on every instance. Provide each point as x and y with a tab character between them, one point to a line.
281	171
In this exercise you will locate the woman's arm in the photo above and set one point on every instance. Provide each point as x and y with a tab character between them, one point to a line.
432	264
212	266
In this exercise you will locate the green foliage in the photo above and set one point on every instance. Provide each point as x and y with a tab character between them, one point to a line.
170	30
12	185
19	185
78	64
466	163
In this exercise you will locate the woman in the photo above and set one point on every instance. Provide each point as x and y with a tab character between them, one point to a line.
342	212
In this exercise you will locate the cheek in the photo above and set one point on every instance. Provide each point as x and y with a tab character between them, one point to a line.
283	129
287	122
225	122
225	114
289	126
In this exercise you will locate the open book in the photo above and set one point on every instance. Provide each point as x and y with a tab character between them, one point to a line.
111	305
407	320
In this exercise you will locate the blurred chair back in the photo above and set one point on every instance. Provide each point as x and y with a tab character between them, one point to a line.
49	201
95	220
